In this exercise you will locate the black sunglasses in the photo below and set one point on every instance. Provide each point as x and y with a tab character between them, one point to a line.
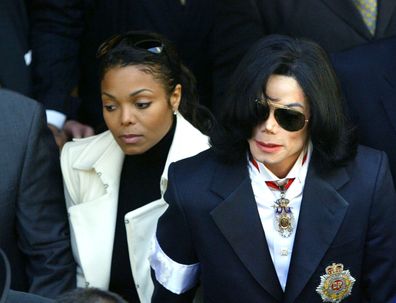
137	40
289	119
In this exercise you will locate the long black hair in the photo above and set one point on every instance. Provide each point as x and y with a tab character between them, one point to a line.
158	57
333	138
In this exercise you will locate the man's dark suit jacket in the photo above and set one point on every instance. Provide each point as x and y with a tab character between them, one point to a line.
368	77
10	296
67	33
14	44
334	24
33	220
347	216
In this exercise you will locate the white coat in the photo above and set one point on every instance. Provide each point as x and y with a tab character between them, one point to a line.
91	170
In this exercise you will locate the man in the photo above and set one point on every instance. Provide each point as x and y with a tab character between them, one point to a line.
15	56
368	77
34	230
10	296
334	24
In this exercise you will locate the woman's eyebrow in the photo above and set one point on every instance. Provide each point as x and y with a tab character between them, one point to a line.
139	91
108	95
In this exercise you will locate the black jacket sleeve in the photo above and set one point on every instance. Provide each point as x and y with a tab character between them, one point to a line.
56	27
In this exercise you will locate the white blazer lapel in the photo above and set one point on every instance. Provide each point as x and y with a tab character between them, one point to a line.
187	142
93	220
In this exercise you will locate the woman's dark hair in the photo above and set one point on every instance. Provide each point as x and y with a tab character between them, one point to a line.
332	137
158	57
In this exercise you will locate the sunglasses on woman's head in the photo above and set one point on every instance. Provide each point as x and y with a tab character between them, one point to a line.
140	41
289	119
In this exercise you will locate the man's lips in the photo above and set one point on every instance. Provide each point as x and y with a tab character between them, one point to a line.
268	147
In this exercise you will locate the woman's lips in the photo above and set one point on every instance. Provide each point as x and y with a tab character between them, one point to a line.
131	139
268	147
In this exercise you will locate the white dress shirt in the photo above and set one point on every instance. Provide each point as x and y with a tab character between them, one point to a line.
279	247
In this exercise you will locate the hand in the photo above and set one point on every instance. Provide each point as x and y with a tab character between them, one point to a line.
75	129
59	135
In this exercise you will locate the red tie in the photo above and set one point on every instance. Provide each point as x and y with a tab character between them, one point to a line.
282	188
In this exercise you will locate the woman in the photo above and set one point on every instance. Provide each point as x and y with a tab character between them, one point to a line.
114	181
285	207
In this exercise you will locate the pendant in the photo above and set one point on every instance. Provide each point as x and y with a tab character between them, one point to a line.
284	219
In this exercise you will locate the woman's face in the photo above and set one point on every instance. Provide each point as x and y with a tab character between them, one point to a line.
275	147
136	108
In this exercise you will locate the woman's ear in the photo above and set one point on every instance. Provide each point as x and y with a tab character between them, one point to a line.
176	97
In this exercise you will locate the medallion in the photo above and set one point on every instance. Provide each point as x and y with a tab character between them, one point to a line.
336	284
284	219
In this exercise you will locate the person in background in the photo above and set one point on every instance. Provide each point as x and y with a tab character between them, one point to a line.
367	75
285	207
114	181
34	231
89	295
67	33
8	295
335	24
15	54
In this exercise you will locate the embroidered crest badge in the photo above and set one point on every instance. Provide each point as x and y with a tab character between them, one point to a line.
336	284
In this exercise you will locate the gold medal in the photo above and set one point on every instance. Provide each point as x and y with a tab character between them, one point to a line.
284	219
336	284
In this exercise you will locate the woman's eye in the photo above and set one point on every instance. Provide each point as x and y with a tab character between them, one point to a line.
142	104
109	108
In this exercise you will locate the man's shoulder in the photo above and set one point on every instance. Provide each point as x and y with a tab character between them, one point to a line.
368	161
13	102
204	165
201	160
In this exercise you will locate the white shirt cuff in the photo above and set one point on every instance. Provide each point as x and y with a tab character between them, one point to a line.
28	57
177	278
55	118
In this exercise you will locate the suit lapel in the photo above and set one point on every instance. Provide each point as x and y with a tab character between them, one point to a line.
322	212
386	10
389	93
347	11
238	219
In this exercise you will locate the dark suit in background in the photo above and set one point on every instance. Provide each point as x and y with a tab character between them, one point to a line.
14	44
334	24
67	33
33	221
368	78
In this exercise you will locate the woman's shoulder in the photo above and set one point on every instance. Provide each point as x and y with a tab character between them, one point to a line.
79	145
85	150
187	130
